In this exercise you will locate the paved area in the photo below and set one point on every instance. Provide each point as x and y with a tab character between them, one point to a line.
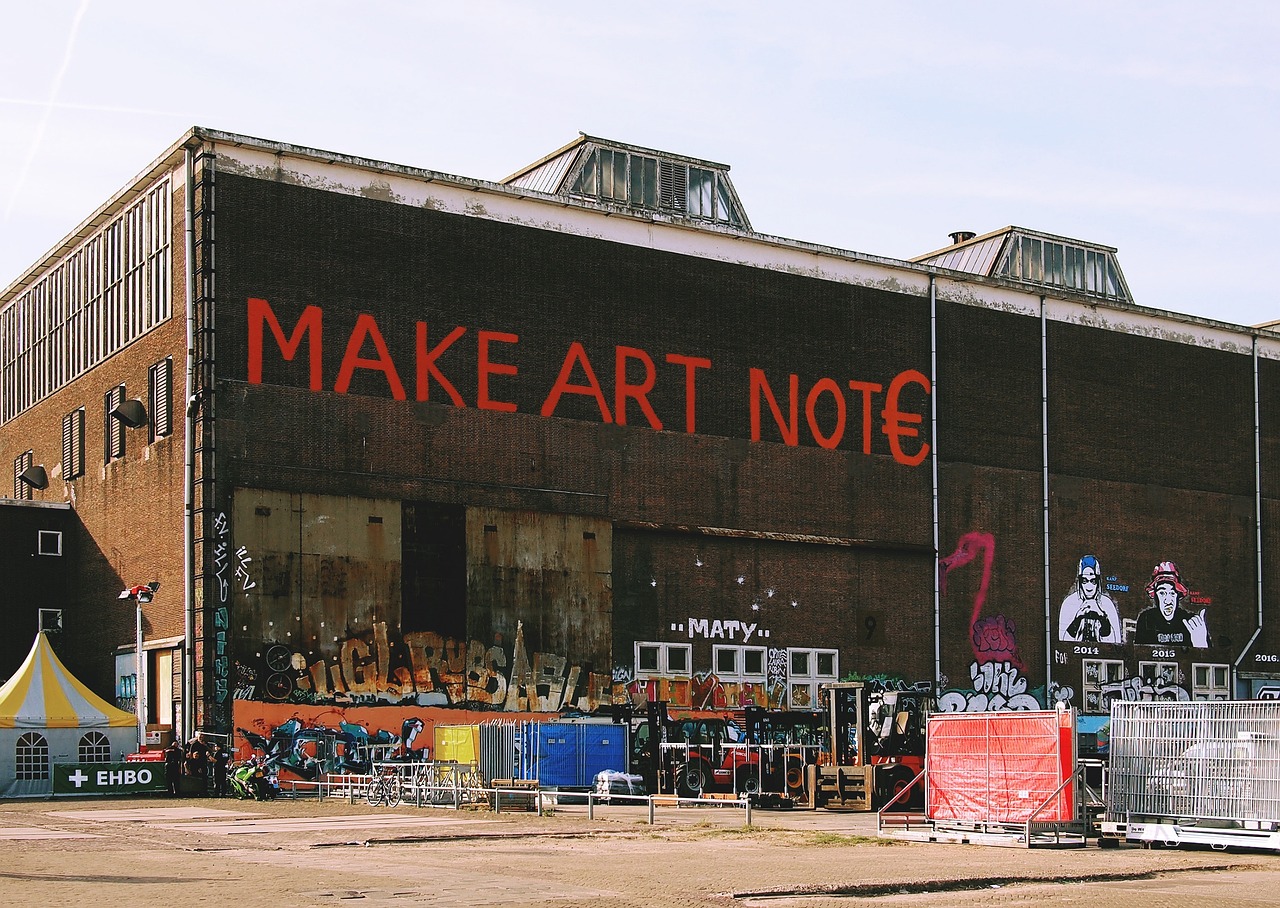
195	852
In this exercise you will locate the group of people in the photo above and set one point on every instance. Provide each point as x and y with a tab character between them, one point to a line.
198	760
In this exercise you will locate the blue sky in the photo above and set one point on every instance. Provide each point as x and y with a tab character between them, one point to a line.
875	127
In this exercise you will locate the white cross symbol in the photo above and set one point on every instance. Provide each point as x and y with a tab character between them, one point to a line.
77	777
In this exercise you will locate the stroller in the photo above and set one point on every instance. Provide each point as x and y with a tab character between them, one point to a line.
253	780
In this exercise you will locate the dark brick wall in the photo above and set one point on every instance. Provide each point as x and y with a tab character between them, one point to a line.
1150	440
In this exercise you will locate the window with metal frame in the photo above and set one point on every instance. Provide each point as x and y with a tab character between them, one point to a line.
73	444
113	429
660	659
1098	673
160	385
1210	681
48	542
21	463
740	663
807	669
1160	675
104	294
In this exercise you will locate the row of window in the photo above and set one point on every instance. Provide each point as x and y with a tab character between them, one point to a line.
159	424
109	291
1030	258
1102	677
805	668
31	754
642	181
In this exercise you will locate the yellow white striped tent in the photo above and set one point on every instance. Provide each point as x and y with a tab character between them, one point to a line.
49	716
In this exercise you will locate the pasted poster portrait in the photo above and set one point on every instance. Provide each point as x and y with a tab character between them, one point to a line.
1088	614
1165	622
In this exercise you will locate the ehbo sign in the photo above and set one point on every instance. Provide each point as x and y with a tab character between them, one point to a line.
108	778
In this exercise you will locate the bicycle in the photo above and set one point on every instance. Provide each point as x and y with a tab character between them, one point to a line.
384	788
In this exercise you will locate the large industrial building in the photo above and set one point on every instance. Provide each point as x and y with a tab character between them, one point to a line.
395	442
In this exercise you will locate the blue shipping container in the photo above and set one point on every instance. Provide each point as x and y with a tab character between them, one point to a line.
569	754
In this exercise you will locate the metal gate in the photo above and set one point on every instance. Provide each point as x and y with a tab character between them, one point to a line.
1202	772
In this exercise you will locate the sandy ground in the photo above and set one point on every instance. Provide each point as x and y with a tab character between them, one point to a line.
162	851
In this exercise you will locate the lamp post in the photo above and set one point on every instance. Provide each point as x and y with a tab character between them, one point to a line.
140	594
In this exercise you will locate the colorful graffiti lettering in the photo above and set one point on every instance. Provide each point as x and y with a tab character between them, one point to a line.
1162	687
996	686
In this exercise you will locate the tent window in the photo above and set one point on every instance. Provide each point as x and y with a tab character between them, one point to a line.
32	757
95	748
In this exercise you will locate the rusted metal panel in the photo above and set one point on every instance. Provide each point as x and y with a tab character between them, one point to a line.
553	574
330	568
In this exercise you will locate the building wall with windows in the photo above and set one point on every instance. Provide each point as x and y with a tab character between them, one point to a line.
37	542
462	445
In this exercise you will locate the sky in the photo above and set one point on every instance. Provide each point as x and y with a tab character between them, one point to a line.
878	127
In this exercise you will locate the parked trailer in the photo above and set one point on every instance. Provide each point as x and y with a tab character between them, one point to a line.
1196	773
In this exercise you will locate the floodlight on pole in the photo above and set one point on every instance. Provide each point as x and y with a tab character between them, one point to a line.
139	594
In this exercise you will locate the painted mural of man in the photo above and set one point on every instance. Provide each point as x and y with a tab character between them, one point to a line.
1088	614
1165	622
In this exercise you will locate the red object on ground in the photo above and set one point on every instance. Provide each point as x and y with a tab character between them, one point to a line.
1000	767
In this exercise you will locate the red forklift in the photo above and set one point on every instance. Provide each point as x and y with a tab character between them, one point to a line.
874	747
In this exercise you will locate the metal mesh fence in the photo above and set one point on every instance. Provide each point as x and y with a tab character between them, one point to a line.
1198	761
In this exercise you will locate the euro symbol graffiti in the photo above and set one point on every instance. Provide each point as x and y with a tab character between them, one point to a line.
898	424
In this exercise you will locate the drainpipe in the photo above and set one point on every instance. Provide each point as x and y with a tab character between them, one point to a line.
1044	456
189	466
1257	503
933	435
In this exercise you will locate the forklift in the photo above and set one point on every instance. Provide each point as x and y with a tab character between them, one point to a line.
873	748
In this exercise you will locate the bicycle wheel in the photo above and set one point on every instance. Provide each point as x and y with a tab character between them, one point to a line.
393	790
374	793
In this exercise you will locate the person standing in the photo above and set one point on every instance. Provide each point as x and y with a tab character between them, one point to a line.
173	766
221	764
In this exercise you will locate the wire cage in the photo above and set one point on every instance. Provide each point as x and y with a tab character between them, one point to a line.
1195	763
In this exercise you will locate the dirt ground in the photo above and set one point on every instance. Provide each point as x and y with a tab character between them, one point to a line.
175	852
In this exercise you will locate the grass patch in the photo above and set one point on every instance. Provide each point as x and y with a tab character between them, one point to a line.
834	838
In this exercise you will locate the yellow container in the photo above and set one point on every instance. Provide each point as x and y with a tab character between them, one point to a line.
457	744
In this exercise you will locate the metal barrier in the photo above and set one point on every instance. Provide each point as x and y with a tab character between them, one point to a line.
1195	772
745	768
454	785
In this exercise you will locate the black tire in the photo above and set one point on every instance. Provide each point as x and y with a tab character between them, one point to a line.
891	782
691	779
793	778
392	788
748	781
373	794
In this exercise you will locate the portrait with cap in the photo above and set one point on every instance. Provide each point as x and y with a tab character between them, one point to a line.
1088	614
1165	622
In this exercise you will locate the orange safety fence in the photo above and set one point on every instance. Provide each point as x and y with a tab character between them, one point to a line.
1000	767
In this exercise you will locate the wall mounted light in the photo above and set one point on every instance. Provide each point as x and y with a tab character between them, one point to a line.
132	413
35	476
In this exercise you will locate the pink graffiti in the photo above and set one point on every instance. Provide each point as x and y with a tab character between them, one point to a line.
993	638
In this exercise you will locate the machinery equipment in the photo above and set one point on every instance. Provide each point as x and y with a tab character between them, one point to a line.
874	747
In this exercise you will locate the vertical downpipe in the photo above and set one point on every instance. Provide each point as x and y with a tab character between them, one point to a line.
933	436
1257	508
189	466
1044	461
